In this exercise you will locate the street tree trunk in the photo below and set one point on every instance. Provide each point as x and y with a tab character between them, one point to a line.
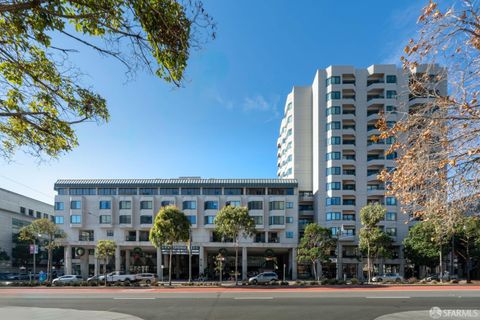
441	263
236	263
468	262
49	265
105	270
170	266
314	269
369	269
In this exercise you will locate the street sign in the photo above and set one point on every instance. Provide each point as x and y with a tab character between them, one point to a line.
33	248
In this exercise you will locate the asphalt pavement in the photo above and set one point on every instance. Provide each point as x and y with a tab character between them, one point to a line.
232	304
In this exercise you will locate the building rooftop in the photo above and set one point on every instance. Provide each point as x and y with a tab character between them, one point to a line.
180	182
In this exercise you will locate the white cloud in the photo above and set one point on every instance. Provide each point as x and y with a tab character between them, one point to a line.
259	103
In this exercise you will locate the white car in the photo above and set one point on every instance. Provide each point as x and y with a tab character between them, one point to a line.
70	278
388	277
118	276
148	278
265	277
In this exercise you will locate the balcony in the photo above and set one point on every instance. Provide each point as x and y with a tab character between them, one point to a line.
85	238
374	81
350	187
348	172
306	196
130	238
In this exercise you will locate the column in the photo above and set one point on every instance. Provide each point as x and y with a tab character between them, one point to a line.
159	264
402	262
67	262
127	261
97	265
319	269
294	263
244	263
117	259
339	262
360	271
201	261
84	265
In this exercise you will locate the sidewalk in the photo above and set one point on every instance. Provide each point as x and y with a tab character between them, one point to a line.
28	313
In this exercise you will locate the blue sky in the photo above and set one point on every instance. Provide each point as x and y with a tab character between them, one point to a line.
224	121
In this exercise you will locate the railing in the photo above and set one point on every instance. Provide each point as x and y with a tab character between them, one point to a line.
377	96
349	187
349	172
349	112
350	142
348	97
372	172
348	202
131	238
348	81
372	81
375	158
85	238
375	187
349	127
347	157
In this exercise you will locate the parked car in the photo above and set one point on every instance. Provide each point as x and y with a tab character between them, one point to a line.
118	276
67	279
18	276
93	279
388	277
436	277
148	278
264	277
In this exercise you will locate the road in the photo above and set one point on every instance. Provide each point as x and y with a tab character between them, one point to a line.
276	304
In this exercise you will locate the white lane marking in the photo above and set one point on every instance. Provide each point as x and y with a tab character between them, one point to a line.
253	298
132	298
387	297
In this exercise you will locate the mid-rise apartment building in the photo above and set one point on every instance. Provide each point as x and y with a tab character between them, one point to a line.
17	211
325	144
123	210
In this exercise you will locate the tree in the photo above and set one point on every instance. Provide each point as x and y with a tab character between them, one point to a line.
171	226
41	98
315	246
437	136
234	222
104	250
47	230
468	241
4	255
424	245
372	240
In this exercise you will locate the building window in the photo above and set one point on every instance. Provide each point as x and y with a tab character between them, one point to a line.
334	141
106	219
391	79
289	234
169	191
333	95
280	191
258	220
105	204
334	216
109	233
234	203
333	110
127	191
212	191
289	119
23	210
391	216
349	232
391	156
255	205
190	191
211	205
289	219
39	215
146	219
107	191
276	205
391	94
335	231
75	219
289	205
148	191
146	204
333	171
334	186
125	219
348	202
333	201
166	203
233	191
75	204
58	220
333	156
125	204
333	125
276	220
82	191
332	80
62	191
391	201
86	235
58	206
189	205
391	108
289	106
192	219
209	219
392	232
348	216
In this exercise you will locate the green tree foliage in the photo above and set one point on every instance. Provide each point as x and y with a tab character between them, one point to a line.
315	246
373	241
4	255
170	226
467	241
41	97
46	231
234	222
422	245
104	250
